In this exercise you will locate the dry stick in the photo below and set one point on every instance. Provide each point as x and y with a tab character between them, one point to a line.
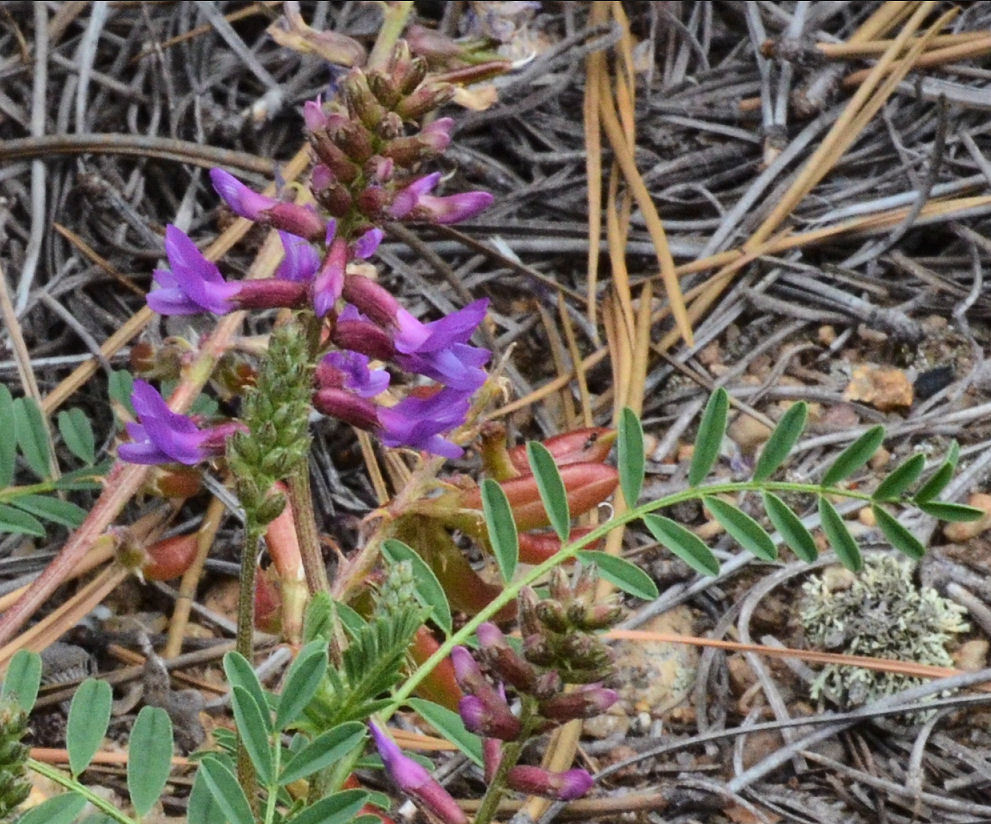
164	148
861	108
125	479
190	578
595	66
871	48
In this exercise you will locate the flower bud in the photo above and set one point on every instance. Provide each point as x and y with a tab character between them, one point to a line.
415	781
371	202
384	89
354	141
489	718
587	702
364	337
503	660
360	100
529	623
425	98
548	685
333	157
271	293
564	786
537	651
600	616
553	615
405	71
347	407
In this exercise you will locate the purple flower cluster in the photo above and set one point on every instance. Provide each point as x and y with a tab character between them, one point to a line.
365	175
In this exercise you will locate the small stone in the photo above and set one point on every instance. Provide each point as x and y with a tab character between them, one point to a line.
866	333
827	335
748	433
883	388
709	355
866	516
880	459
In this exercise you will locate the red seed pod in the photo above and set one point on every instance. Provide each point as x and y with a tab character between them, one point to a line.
590	445
440	686
169	558
268	602
174	481
586	485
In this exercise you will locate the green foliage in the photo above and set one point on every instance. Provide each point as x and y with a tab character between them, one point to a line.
150	760
89	715
23	678
25	508
502	528
683	543
782	441
551	488
631	459
621	573
14	785
709	437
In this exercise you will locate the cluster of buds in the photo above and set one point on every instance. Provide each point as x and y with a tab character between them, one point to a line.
557	678
366	174
14	784
510	696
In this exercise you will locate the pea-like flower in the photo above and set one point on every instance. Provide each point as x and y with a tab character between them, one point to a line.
349	370
301	260
164	436
194	285
564	786
245	202
415	781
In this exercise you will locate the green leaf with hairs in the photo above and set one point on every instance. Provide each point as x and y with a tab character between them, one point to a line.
899	537
323	751
89	715
23	678
948	511
710	436
14	520
60	809
302	681
742	528
782	441
226	792
502	528
150	761
551	488
938	481
8	445
792	530
51	509
686	545
854	456
32	436
77	434
900	479
839	536
631	461
628	577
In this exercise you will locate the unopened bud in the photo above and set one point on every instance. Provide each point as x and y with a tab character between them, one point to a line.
492	719
564	786
548	685
491	757
601	616
423	99
552	615
586	702
347	407
354	141
360	100
503	660
529	623
333	157
383	89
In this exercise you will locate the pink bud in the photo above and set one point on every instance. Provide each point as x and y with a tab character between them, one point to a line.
564	786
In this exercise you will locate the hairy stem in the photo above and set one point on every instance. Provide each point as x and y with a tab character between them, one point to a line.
245	646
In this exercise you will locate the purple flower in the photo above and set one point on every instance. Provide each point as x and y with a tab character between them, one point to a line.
329	282
458	366
436	136
349	370
418	422
163	436
405	200
414	780
451	209
489	716
586	702
564	786
245	202
301	260
193	284
414	337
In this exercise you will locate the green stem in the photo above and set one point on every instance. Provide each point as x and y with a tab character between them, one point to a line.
244	644
569	551
511	752
273	788
74	786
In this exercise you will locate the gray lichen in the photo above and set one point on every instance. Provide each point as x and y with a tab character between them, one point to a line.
880	612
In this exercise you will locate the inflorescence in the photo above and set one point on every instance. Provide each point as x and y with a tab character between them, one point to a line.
365	175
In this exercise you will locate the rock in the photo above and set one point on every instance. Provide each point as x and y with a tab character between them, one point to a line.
748	433
883	388
972	655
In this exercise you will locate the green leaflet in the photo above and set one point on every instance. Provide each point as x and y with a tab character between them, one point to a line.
854	456
551	488
710	437
686	545
742	528
839	536
502	528
782	441
631	459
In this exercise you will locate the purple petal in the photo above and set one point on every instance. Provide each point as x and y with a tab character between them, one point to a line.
364	382
456	367
242	200
365	246
406	199
453	208
301	260
457	327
